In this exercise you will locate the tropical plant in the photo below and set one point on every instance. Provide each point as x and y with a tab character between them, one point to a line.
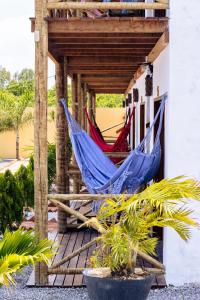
11	202
19	249
13	113
131	222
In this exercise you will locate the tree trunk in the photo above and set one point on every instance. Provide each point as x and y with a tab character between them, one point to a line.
61	154
40	133
17	144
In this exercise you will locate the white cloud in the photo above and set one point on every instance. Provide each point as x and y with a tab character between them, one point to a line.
16	39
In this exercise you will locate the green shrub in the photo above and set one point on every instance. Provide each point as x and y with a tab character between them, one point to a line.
17	191
11	202
25	179
51	164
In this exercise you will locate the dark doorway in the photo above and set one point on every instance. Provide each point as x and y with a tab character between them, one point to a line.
160	175
142	121
133	131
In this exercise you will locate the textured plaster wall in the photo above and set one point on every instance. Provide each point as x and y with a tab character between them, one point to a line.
106	117
183	130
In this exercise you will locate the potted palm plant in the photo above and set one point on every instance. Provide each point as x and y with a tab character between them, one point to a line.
19	249
127	226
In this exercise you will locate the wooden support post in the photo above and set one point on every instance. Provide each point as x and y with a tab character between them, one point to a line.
90	106
67	141
84	105
74	96
76	116
94	104
61	145
80	100
40	132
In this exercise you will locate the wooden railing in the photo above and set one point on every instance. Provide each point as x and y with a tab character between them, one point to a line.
58	199
67	9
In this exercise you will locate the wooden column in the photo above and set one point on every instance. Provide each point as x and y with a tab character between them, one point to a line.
84	105
61	144
80	99
40	132
76	116
89	106
94	104
67	142
74	97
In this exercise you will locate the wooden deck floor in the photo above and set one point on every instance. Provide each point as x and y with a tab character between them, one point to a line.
67	244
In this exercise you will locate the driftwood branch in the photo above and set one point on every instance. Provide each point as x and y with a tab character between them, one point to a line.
81	197
65	271
94	223
75	253
70	211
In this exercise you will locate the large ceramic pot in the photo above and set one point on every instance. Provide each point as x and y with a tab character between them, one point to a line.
117	289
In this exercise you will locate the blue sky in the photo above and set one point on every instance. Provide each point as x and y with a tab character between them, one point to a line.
16	39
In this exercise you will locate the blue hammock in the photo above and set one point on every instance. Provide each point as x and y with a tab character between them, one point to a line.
99	173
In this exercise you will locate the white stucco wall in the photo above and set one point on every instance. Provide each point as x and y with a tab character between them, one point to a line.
177	70
160	79
182	260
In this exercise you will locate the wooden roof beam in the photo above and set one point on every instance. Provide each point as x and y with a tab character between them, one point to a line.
102	68
108	79
102	52
104	40
107	25
91	46
106	35
103	60
109	91
104	72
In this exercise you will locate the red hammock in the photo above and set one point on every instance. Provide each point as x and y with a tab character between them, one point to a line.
120	145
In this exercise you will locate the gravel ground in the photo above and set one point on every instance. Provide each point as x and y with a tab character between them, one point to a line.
20	292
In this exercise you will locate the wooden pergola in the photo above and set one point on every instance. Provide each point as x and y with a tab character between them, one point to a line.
102	55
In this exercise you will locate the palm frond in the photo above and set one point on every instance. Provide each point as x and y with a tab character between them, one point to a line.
20	248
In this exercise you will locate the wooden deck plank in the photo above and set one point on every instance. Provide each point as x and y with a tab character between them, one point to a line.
78	279
72	241
70	278
61	251
31	280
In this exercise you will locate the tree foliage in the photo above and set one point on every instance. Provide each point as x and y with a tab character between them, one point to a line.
109	100
102	100
5	77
